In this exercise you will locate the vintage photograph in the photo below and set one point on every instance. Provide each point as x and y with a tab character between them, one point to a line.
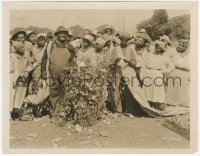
99	78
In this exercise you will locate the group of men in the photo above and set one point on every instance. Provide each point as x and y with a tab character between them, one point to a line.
40	59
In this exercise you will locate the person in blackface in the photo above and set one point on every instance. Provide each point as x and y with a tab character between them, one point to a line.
38	52
22	64
178	84
157	66
20	36
60	55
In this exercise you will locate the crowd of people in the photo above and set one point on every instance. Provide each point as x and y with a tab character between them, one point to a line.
38	63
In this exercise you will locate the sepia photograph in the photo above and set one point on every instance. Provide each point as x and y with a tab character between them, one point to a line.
100	76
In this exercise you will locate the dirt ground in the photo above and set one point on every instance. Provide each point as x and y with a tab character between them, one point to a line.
110	132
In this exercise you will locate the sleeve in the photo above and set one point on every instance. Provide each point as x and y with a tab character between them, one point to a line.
44	60
133	60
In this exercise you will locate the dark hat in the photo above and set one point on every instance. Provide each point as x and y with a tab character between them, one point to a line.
61	29
14	36
50	34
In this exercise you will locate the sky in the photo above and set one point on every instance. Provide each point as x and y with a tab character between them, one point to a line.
87	18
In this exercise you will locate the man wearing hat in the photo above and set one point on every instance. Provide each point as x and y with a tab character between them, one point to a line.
20	36
60	56
49	37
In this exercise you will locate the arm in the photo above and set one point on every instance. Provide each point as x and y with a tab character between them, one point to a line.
44	63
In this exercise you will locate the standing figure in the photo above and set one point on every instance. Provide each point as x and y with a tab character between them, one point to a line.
38	52
22	65
157	66
178	84
60	56
49	37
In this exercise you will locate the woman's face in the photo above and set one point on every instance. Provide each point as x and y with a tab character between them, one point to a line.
41	42
181	47
158	49
109	32
98	47
139	42
85	44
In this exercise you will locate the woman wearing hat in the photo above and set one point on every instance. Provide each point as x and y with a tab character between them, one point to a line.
178	90
156	66
86	55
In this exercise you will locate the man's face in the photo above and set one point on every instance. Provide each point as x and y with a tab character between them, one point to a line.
62	37
181	47
139	42
109	32
41	42
85	44
21	38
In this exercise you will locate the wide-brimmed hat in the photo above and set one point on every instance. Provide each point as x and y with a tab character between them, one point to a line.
166	38
61	29
14	36
109	27
144	36
89	38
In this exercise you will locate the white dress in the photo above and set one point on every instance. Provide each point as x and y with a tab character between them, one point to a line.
153	80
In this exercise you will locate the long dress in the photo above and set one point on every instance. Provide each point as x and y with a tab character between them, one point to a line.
153	81
178	87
